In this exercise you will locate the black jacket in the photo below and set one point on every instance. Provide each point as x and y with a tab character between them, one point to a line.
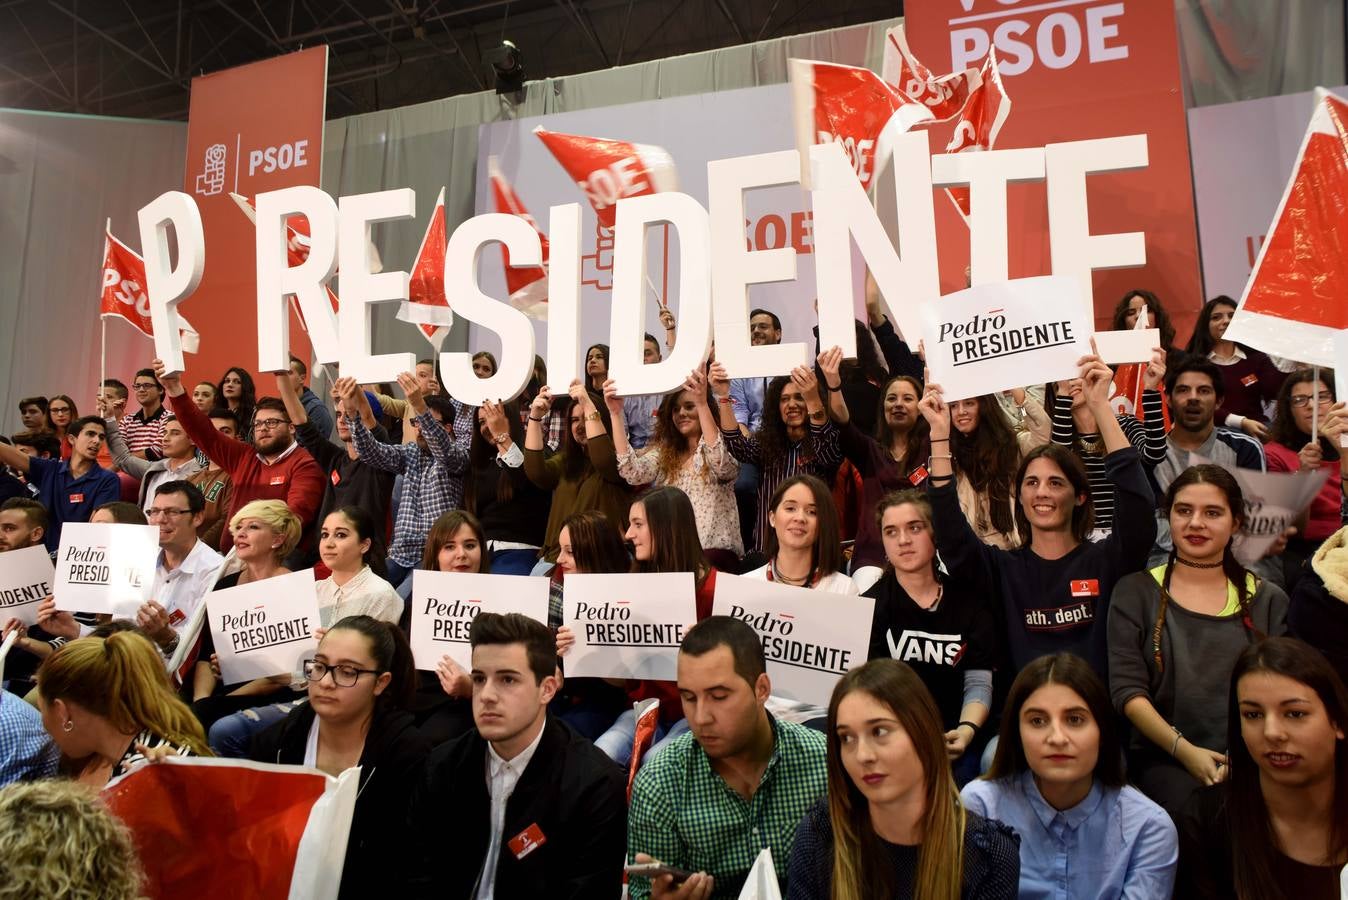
570	790
389	765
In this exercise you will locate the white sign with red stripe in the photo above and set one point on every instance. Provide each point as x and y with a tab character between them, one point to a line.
628	626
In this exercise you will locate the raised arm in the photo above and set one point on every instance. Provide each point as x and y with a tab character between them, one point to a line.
285	389
380	455
614	403
225	452
959	546
122	457
830	361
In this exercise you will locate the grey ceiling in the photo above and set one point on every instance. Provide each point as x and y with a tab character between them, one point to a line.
137	57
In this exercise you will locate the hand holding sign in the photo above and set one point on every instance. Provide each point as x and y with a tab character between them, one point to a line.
1154	376
104	568
444	605
26	577
264	628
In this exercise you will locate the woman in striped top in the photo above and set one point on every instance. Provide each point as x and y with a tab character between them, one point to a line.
1075	427
107	703
796	437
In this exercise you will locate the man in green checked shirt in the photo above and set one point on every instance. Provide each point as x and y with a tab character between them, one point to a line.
740	781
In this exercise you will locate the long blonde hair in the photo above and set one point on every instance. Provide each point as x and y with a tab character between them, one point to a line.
121	678
861	868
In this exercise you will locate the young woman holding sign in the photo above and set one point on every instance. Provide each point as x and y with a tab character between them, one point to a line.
894	459
107	703
1174	633
359	683
662	530
687	452
892	824
1058	780
940	624
1277	828
353	589
265	531
1055	587
512	510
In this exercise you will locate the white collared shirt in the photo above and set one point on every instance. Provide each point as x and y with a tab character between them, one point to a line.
502	776
183	588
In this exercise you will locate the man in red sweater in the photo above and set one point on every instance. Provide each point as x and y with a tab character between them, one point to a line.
273	468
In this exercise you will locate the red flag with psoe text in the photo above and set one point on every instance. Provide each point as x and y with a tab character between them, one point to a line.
607	171
124	292
220	829
980	120
528	285
426	304
850	106
944	96
1294	302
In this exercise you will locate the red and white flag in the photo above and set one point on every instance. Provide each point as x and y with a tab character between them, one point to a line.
124	292
297	246
980	120
219	829
607	171
853	107
944	96
528	285
1297	297
427	306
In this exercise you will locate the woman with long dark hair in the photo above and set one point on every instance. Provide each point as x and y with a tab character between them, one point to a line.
584	474
1058	780
1277	828
588	545
892	459
1076	428
512	510
1249	377
1174	632
596	367
61	414
1292	448
893	824
663	533
1130	306
986	452
796	436
687	452
941	624
803	548
237	393
1055	587
360	681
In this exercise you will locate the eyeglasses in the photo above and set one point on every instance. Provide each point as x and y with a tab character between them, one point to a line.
145	386
58	410
156	512
1305	399
342	676
268	424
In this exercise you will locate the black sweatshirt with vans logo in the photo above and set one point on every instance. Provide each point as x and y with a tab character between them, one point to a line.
1057	605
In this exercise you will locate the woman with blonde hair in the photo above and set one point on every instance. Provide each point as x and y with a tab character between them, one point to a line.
107	701
265	531
893	824
58	840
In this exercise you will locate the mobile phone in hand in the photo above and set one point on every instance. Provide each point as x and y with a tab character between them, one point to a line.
655	870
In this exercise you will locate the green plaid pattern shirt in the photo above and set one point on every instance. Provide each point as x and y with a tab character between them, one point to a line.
686	816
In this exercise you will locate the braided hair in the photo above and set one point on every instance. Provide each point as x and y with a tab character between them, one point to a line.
1235	573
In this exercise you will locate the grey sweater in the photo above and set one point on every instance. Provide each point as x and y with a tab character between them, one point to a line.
1198	650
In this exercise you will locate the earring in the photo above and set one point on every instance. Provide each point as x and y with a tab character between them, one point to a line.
68	727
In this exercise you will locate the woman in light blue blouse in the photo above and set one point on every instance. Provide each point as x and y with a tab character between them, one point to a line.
1058	780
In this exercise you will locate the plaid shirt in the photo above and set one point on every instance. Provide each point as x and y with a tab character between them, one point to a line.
686	816
26	751
432	481
556	422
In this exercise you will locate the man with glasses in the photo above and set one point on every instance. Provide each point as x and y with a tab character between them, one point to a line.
273	467
143	429
186	568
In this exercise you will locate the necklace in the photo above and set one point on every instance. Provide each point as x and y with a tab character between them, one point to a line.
1092	444
776	575
1197	565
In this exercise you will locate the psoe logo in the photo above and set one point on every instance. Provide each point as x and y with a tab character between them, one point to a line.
212	179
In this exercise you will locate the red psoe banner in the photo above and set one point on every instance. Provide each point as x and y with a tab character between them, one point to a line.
250	129
124	294
1295	300
1093	69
